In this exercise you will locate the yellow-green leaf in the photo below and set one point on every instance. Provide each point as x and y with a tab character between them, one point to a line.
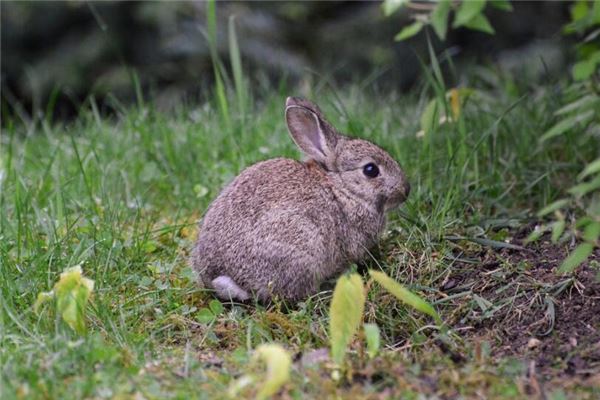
467	11
455	103
501	5
592	232
373	338
480	23
72	292
409	31
553	207
584	188
216	307
457	98
200	190
240	384
42	298
405	295
558	227
579	255
566	124
345	314
391	6
590	169
439	18
586	102
587	67
430	116
278	363
535	234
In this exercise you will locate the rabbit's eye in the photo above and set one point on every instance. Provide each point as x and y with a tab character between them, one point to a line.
371	170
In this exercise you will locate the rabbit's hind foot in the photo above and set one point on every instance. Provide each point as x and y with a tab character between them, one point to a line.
227	289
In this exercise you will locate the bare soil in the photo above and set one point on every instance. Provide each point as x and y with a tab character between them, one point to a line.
520	306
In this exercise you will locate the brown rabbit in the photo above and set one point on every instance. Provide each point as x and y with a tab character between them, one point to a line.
283	226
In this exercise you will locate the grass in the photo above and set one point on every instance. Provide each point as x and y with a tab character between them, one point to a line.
121	196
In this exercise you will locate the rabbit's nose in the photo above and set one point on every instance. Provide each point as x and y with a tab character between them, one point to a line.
399	196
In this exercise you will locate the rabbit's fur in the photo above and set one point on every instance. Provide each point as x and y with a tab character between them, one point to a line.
283	226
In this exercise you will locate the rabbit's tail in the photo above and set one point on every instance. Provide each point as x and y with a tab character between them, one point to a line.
227	289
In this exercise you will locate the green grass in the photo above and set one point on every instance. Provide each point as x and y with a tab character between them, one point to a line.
121	196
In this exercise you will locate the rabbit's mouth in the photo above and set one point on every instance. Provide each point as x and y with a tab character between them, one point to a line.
392	204
398	197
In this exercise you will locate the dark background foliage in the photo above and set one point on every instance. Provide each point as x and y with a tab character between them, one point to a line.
59	53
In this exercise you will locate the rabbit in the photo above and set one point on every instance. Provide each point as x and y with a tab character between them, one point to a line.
283	226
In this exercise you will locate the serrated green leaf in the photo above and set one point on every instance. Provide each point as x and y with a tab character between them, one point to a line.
480	23
566	124
501	5
439	18
590	169
558	204
409	31
216	307
373	338
278	363
405	295
558	227
391	6
592	232
584	188
467	11
345	314
578	256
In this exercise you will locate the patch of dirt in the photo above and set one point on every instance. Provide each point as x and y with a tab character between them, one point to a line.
514	300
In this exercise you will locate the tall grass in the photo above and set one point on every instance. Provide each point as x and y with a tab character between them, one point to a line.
223	85
241	88
219	72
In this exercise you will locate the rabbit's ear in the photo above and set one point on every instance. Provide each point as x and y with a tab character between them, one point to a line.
314	136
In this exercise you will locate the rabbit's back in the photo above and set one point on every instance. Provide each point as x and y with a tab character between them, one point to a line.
267	189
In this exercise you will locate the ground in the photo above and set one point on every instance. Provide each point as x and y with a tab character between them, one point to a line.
121	195
534	314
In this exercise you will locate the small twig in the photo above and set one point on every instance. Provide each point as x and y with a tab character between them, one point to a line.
421	6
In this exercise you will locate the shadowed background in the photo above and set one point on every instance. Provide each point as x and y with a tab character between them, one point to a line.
55	54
